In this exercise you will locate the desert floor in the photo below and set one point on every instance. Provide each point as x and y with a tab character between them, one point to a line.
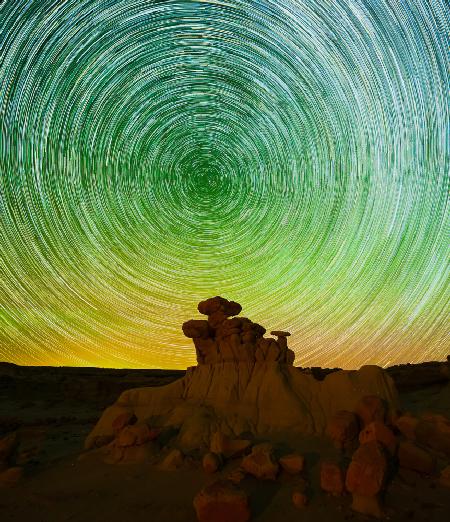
55	408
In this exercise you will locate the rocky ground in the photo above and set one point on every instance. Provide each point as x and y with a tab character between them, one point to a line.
50	411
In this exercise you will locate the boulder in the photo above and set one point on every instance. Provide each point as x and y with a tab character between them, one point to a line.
217	304
173	460
122	420
11	476
292	463
433	431
371	408
229	448
211	462
236	475
261	463
332	479
135	435
411	456
378	431
370	506
222	501
444	479
406	425
8	446
343	429
367	471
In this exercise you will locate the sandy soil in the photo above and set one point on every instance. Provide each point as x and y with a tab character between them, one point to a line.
54	410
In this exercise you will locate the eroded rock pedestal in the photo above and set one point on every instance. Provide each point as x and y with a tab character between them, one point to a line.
244	383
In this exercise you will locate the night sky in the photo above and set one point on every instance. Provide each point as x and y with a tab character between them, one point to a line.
291	155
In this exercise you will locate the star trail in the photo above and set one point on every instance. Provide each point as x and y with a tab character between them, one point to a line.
291	155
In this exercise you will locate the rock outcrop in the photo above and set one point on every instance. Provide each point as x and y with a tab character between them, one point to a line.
244	384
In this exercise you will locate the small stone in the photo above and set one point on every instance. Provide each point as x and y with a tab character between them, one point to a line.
292	463
299	499
222	501
173	460
279	333
410	456
211	462
332	478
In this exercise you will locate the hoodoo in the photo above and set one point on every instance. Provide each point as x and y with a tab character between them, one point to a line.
244	383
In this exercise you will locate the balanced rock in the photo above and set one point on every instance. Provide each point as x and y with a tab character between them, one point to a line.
222	501
243	383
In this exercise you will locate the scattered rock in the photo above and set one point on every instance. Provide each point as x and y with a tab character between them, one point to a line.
343	429
211	462
371	408
292	463
261	463
378	431
173	460
413	457
222	501
332	479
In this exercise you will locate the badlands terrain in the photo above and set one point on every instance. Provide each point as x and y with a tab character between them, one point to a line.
251	437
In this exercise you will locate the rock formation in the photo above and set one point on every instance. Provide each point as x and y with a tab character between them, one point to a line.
244	385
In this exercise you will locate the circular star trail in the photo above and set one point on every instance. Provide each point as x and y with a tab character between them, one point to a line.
289	155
